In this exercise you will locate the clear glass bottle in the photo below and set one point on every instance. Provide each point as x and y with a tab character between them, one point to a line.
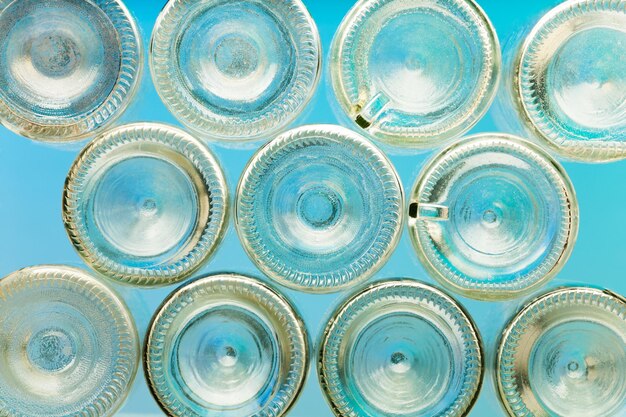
569	80
493	217
145	204
235	69
319	208
412	72
564	354
69	345
67	67
400	348
229	346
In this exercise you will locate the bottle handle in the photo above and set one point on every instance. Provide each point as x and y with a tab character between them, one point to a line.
429	212
371	111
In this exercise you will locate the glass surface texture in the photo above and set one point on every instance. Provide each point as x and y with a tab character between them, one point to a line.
145	204
319	208
415	73
32	176
572	79
67	67
227	346
564	354
493	216
400	348
235	69
69	345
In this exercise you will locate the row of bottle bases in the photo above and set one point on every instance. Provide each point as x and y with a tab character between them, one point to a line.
232	345
405	73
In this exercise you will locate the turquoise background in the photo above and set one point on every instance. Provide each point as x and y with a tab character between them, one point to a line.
31	231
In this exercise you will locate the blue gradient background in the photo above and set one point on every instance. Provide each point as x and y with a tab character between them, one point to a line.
31	231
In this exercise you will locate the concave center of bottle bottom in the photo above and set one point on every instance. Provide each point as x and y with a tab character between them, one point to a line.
399	363
575	368
425	72
148	207
227	357
51	350
587	78
145	206
495	215
54	54
490	218
236	56
319	207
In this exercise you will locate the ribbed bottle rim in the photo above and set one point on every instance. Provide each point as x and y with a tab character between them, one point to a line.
105	113
391	292
530	87
359	269
435	261
193	114
226	288
170	139
510	372
348	87
78	283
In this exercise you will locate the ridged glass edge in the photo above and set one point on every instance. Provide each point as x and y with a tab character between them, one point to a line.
505	366
184	109
569	202
74	279
360	301
343	90
126	86
526	101
227	284
179	141
301	137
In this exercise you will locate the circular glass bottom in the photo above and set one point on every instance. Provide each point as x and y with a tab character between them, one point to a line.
228	358
61	66
226	346
235	69
64	68
426	75
414	73
493	216
145	204
401	364
69	344
319	208
242	60
400	348
572	80
563	354
587	70
575	369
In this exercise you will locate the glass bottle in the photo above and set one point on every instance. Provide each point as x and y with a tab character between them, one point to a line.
564	355
67	67
69	344
493	216
145	204
569	80
226	345
400	348
319	208
235	69
412	72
